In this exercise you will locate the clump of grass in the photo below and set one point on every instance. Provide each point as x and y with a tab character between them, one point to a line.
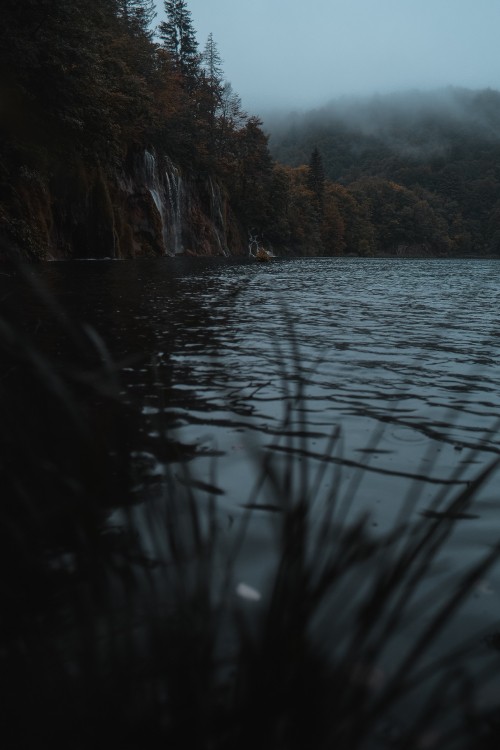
129	634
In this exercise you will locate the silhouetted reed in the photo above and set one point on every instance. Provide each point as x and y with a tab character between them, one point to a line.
119	623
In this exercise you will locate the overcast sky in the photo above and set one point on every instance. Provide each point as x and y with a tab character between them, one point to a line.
301	53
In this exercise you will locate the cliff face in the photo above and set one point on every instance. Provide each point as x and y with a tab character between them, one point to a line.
146	208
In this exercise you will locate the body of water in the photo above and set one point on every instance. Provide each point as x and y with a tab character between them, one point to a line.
401	356
239	362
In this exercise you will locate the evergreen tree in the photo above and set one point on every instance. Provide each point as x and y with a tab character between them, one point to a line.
316	177
230	110
137	15
230	118
212	62
227	103
213	79
179	38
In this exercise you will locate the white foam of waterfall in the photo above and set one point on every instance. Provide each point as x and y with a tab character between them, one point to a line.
149	166
217	218
174	193
155	188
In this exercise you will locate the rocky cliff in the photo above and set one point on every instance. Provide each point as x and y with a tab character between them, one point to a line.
147	207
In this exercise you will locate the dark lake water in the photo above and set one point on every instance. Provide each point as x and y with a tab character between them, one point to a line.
408	346
402	357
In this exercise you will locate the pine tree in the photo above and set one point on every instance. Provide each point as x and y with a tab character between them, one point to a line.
230	107
137	15
316	178
145	11
212	62
212	84
179	38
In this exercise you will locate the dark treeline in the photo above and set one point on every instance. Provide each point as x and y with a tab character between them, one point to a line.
86	87
414	173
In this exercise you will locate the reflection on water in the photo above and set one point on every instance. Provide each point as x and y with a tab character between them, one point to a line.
402	356
383	371
411	345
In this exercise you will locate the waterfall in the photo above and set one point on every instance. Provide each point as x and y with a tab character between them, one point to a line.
165	190
173	181
153	184
217	218
253	244
173	202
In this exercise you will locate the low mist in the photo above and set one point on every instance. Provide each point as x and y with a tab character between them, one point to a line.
416	123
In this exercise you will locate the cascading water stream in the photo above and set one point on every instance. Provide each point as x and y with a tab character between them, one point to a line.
156	190
173	181
166	191
163	180
217	217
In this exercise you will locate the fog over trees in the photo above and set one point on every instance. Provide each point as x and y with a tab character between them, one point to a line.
424	166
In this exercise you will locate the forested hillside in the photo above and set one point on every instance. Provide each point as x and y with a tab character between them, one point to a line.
122	138
413	173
